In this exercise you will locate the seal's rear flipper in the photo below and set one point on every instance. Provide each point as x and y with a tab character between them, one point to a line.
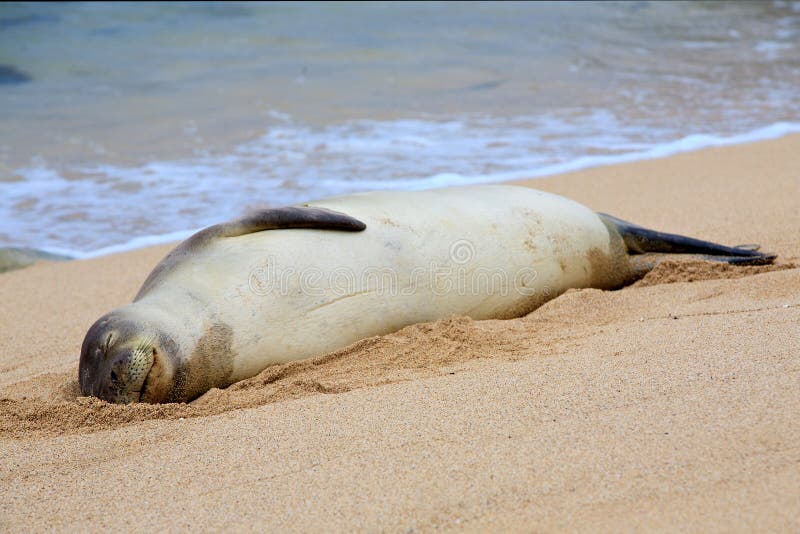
763	259
640	240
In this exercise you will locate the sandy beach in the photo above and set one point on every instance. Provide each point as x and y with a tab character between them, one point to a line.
673	404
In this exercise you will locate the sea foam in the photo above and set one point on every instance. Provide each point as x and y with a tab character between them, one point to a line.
109	209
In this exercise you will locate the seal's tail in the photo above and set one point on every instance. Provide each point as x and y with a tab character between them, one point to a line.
640	240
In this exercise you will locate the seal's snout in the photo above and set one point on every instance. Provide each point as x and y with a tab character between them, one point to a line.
116	357
127	373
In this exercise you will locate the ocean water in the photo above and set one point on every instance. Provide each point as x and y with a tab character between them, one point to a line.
123	125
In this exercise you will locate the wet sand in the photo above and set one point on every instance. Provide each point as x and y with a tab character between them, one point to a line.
672	404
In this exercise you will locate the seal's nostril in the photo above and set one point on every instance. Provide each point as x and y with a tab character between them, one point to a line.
113	376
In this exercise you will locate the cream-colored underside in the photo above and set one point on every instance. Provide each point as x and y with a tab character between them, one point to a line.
481	251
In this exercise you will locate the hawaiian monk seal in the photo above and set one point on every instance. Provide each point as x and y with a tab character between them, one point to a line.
290	283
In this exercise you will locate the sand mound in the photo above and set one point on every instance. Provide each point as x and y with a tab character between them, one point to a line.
676	270
50	404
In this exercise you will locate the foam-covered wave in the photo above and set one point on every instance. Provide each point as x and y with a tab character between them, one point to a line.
99	210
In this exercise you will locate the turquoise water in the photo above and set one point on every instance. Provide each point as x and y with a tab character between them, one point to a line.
127	124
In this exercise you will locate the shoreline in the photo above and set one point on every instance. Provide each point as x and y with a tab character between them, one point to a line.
662	405
687	144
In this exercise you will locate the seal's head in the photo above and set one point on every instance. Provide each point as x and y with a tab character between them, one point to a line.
125	359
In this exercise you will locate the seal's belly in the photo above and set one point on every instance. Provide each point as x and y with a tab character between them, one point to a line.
485	252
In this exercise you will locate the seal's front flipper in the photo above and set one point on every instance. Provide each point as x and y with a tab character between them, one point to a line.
639	240
290	217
